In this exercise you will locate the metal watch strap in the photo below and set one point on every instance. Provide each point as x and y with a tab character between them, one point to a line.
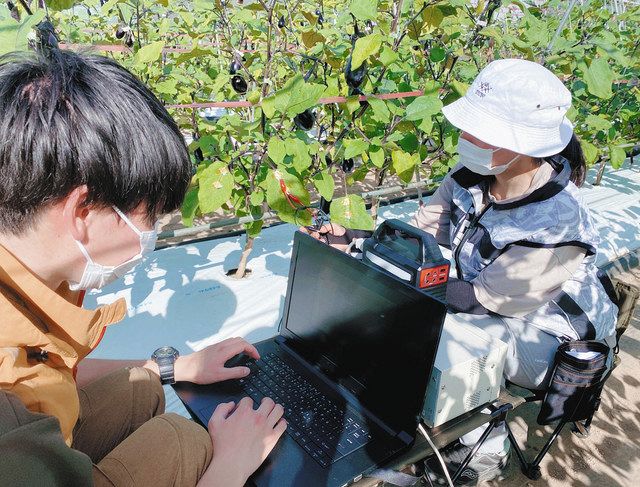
167	367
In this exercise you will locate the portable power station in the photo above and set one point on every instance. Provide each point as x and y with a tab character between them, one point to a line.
410	254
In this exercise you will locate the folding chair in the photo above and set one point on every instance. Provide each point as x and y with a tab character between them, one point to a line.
627	298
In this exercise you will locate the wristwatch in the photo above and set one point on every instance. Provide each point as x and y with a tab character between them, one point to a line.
166	357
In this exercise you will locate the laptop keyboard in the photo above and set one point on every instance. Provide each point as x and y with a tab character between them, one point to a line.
323	428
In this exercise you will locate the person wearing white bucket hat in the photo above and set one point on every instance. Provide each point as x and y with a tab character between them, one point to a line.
522	239
516	105
523	242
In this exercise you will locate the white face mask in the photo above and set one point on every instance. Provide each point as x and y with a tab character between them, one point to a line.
96	276
479	160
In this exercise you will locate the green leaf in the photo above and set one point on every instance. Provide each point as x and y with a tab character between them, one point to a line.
216	184
277	201
351	212
189	206
325	184
437	54
269	105
364	9
195	52
311	37
364	48
491	31
109	5
299	151
13	34
257	197
148	54
388	56
166	87
295	97
352	103
404	164
597	122
459	87
380	111
617	156
432	16
423	106
590	151
187	17
276	150
306	96
354	147
599	78
358	175
254	228
426	125
377	157
60	4
409	142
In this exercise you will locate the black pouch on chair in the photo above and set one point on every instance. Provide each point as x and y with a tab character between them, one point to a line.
578	376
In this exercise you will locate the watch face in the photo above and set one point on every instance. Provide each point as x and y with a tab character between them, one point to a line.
165	352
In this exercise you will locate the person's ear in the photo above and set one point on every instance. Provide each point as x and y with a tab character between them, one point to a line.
75	213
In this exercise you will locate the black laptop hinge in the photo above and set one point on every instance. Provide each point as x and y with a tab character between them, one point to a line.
405	437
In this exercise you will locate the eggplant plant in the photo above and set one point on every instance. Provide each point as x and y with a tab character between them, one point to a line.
299	129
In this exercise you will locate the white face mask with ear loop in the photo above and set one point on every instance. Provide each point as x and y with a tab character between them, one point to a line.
96	276
478	160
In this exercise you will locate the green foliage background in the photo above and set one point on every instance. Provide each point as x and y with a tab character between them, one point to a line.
183	50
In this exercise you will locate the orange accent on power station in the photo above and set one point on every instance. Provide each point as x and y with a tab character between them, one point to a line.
434	276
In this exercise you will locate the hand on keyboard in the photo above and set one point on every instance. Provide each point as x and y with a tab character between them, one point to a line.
242	438
325	429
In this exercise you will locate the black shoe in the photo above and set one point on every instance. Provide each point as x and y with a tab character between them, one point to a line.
481	468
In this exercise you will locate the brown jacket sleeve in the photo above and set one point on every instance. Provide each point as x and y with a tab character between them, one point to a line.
33	451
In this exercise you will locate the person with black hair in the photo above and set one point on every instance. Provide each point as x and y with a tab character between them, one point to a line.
522	240
89	160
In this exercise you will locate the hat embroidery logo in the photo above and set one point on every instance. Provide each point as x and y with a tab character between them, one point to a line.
483	89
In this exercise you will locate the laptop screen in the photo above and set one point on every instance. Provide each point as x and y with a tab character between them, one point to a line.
367	331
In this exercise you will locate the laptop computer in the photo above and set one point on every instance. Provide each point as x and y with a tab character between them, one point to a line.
350	365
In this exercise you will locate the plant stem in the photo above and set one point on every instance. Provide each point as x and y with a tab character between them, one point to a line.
242	265
25	7
267	67
396	18
375	201
138	23
603	163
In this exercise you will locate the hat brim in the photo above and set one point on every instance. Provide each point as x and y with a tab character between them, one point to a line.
530	141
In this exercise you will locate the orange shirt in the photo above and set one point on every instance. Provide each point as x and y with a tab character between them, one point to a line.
43	336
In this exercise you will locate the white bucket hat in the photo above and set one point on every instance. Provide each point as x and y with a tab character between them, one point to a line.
517	105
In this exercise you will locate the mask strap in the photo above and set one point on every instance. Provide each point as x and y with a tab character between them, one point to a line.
508	164
84	251
132	226
126	220
512	160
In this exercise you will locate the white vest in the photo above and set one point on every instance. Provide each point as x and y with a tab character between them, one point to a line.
551	216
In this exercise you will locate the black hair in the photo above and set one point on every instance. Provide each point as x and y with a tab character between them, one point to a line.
573	153
69	119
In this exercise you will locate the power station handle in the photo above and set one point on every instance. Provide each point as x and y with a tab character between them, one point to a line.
398	228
